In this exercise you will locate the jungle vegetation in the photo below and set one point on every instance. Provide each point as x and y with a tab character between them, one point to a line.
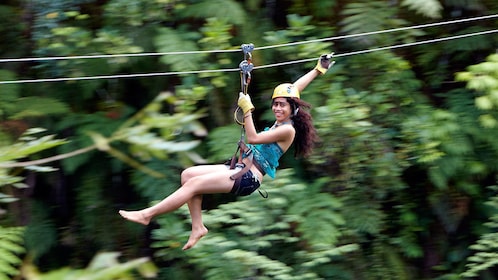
403	184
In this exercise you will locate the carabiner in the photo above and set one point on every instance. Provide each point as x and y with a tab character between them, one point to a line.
245	75
246	67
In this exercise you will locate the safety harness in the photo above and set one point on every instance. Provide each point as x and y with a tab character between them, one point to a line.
243	155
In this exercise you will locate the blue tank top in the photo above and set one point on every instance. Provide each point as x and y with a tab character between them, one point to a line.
267	156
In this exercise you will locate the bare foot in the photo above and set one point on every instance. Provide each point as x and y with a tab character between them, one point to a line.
194	237
135	216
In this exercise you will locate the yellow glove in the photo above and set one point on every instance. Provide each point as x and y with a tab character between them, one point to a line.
245	103
324	63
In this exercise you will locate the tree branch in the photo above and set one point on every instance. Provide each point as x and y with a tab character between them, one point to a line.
49	159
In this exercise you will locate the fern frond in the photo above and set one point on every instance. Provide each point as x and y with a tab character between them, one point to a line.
367	16
11	247
486	247
170	40
317	218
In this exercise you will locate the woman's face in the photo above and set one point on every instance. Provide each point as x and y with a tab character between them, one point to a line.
281	109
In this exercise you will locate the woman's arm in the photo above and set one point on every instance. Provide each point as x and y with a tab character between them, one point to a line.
321	67
282	134
249	127
304	80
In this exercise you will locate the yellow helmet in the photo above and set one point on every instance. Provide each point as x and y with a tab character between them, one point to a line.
285	90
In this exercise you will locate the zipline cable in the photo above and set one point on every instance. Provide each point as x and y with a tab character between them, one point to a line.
139	75
256	67
383	48
380	32
5	60
112	55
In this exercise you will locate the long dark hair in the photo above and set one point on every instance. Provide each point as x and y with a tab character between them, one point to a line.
306	135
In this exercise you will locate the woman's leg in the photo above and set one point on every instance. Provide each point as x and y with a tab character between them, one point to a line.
195	203
198	228
197	181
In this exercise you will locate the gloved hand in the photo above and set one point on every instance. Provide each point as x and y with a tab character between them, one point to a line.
324	63
245	103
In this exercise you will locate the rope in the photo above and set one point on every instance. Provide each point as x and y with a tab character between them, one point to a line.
237	50
141	75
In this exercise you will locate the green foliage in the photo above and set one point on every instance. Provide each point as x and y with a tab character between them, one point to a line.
367	16
300	28
10	92
483	79
485	249
403	158
446	148
104	266
11	250
317	206
15	107
32	107
428	8
170	40
318	8
135	13
221	143
149	133
27	144
154	189
247	233
228	10
11	28
67	39
41	232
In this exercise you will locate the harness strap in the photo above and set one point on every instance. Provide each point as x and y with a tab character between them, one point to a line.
242	147
237	177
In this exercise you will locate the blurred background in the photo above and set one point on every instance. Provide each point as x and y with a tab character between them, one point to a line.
104	102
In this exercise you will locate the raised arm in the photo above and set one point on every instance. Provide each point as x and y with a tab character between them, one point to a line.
323	64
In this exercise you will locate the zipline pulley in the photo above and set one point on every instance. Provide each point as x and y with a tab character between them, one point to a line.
246	67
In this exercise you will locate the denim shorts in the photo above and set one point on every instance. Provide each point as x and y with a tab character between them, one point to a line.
246	184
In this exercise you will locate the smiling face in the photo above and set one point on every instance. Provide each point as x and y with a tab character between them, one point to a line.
281	109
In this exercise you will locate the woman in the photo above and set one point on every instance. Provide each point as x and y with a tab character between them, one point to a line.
292	125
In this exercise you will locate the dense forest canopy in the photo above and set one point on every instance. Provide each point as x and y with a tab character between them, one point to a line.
104	103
